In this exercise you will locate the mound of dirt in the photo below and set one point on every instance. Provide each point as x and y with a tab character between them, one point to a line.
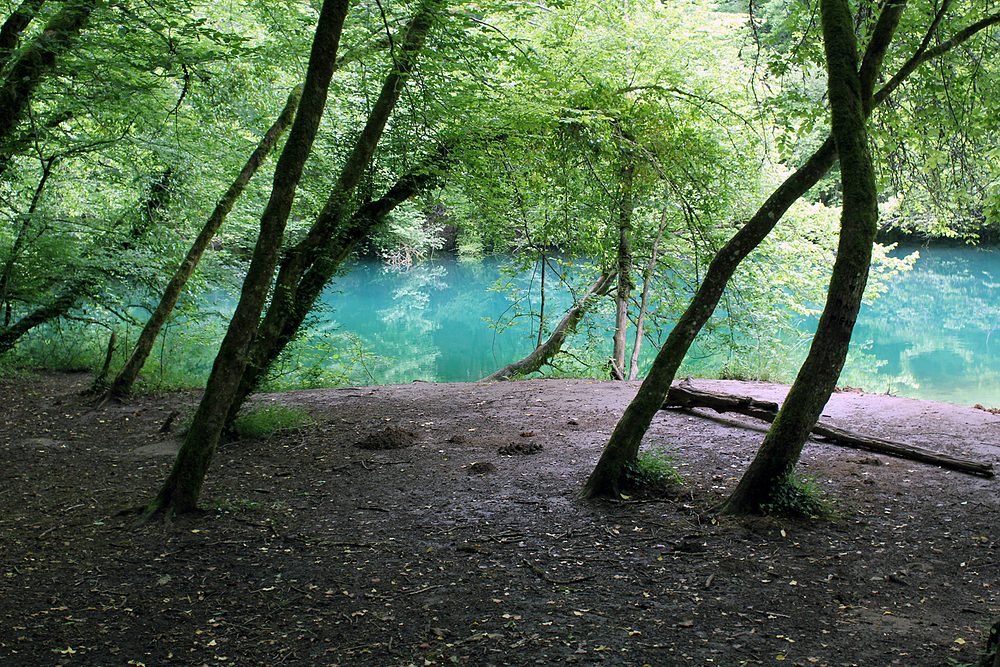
389	438
520	449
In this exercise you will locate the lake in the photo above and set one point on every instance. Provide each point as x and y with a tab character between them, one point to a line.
930	336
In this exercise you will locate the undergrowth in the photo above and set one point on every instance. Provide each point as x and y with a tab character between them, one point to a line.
798	496
654	470
265	422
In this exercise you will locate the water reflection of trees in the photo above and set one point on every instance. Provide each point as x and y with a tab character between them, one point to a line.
932	330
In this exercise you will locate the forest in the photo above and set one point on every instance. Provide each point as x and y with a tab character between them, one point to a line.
691	169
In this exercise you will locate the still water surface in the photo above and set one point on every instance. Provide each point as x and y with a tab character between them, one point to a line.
930	336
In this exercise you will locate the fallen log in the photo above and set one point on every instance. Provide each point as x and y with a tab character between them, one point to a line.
686	396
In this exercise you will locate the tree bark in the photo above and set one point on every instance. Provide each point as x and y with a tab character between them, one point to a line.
309	266
623	294
623	446
36	61
16	23
182	488
125	379
547	350
769	477
641	318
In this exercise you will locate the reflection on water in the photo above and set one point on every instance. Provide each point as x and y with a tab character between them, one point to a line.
929	336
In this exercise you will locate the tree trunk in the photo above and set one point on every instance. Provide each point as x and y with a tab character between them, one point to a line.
365	219
768	480
545	352
181	490
36	61
70	295
309	266
623	294
16	23
126	377
640	321
623	446
541	306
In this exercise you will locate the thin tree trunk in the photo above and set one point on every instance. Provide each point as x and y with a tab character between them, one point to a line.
623	446
182	488
541	307
546	351
768	480
125	379
623	294
640	321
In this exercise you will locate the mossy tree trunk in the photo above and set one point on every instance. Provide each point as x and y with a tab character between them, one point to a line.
182	488
35	61
768	479
125	379
623	446
309	265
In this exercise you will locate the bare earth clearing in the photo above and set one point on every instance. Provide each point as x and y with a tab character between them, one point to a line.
316	552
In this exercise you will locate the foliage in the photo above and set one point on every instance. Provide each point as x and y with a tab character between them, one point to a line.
265	422
326	358
796	495
655	468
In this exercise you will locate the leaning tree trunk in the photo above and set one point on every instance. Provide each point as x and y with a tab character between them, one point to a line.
182	488
768	480
123	382
36	61
547	350
623	446
308	266
366	219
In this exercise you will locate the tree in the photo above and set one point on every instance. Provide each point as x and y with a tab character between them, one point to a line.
768	480
308	266
182	488
125	379
613	129
623	446
88	143
546	350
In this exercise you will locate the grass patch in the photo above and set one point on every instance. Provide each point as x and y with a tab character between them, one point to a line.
800	497
654	472
265	422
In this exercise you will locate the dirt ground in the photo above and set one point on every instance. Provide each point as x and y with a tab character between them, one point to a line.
315	551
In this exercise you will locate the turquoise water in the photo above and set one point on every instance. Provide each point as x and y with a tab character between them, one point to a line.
930	336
